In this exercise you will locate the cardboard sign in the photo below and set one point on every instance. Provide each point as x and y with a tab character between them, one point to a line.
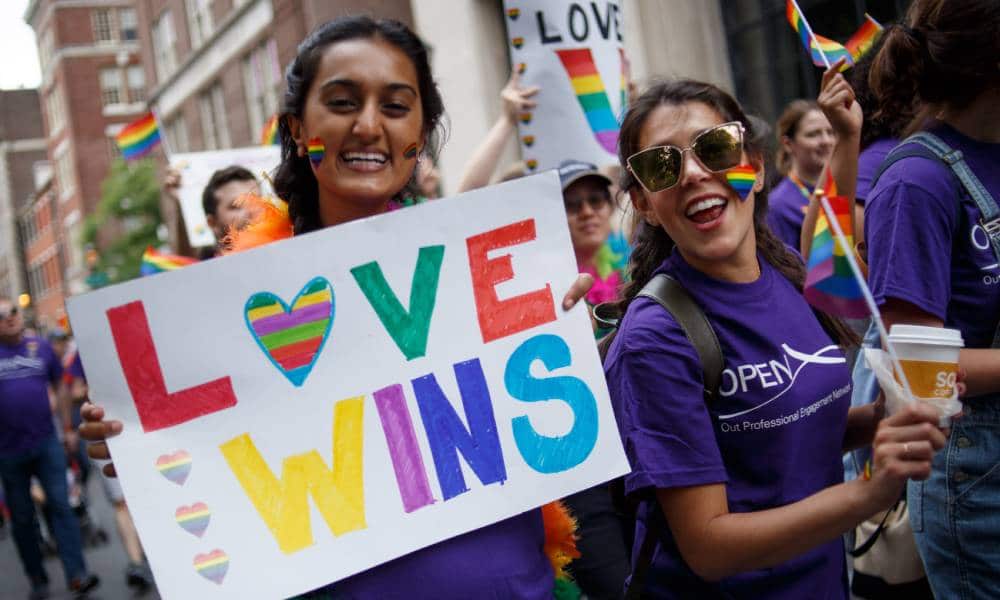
196	169
574	52
307	410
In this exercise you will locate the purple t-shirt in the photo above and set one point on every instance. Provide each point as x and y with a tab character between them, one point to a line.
786	209
773	436
503	560
925	246
869	161
26	370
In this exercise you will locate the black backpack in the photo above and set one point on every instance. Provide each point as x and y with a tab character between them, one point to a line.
672	296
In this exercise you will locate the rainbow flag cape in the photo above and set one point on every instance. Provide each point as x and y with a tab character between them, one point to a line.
824	51
139	138
830	285
154	262
269	136
863	38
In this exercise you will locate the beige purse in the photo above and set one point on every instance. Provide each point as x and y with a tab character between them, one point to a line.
886	547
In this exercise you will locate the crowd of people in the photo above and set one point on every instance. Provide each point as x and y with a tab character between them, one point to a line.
737	486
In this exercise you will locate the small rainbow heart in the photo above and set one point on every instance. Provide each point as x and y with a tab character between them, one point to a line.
513	13
521	68
175	467
292	338
193	519
316	150
529	140
742	179
518	42
531	164
212	566
525	117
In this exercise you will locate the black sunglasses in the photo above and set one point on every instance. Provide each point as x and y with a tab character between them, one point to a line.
595	200
660	167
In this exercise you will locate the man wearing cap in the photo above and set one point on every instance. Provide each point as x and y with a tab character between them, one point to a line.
29	447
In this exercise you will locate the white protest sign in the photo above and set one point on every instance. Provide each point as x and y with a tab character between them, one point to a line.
196	169
294	414
573	51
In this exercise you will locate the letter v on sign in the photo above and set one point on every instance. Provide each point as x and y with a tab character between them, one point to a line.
158	408
408	329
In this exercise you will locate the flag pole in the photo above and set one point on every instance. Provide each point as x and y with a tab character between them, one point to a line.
163	135
812	35
831	217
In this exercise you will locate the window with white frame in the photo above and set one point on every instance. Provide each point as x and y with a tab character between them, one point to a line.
112	86
65	175
56	109
199	13
103	21
177	135
135	76
128	25
164	45
261	78
213	118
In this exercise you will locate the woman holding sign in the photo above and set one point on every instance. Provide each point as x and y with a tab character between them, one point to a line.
360	106
741	485
933	254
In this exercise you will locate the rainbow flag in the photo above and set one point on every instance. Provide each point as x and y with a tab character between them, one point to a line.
139	138
269	135
589	89
824	51
864	37
154	262
830	284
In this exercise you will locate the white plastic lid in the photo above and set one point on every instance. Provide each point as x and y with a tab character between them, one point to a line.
921	334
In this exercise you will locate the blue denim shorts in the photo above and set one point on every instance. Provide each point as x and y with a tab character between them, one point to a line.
956	513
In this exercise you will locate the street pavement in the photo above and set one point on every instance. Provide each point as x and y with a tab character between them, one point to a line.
108	561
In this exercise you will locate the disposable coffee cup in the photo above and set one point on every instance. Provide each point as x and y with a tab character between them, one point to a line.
929	358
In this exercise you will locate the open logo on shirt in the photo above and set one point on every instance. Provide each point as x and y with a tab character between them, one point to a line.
773	374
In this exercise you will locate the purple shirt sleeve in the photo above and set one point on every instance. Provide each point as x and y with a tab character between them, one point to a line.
668	433
909	223
53	366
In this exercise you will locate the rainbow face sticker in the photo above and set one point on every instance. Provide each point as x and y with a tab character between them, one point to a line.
410	151
175	467
212	566
742	178
316	150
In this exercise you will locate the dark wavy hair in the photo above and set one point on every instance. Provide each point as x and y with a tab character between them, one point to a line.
652	245
944	54
294	180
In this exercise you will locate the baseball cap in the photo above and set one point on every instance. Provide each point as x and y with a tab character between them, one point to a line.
571	171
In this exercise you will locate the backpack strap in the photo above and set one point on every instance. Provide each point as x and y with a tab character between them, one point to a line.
672	296
932	147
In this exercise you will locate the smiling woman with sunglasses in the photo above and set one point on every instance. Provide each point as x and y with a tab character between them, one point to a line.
746	477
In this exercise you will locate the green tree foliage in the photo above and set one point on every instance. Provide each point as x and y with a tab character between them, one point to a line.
125	221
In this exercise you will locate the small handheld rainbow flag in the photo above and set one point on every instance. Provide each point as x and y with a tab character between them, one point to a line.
823	51
864	37
139	138
269	135
830	282
154	262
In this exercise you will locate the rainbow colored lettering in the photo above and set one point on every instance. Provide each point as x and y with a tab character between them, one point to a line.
316	150
742	179
292	338
589	89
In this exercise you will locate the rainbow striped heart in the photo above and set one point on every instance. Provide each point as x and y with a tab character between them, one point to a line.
212	566
292	338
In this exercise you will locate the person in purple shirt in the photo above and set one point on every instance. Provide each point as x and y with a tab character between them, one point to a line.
933	262
805	142
365	88
29	447
749	482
